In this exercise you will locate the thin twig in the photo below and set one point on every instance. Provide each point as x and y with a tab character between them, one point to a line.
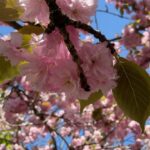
112	13
62	138
96	22
115	39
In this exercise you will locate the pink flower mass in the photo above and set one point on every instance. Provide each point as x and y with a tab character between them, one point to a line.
61	76
51	63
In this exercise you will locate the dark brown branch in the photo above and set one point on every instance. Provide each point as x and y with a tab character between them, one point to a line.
115	39
76	59
13	24
59	20
50	28
97	34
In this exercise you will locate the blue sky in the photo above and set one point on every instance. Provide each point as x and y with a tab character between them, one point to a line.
110	25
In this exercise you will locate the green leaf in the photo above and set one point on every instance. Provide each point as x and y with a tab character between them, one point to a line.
7	71
10	10
92	99
133	91
97	114
29	29
12	3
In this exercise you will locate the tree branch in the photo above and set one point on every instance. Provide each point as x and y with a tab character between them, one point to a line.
76	59
97	34
112	13
13	24
59	20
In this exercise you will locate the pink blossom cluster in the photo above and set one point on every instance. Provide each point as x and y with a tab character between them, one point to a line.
67	120
138	43
80	10
50	67
13	107
130	38
44	97
138	8
135	37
